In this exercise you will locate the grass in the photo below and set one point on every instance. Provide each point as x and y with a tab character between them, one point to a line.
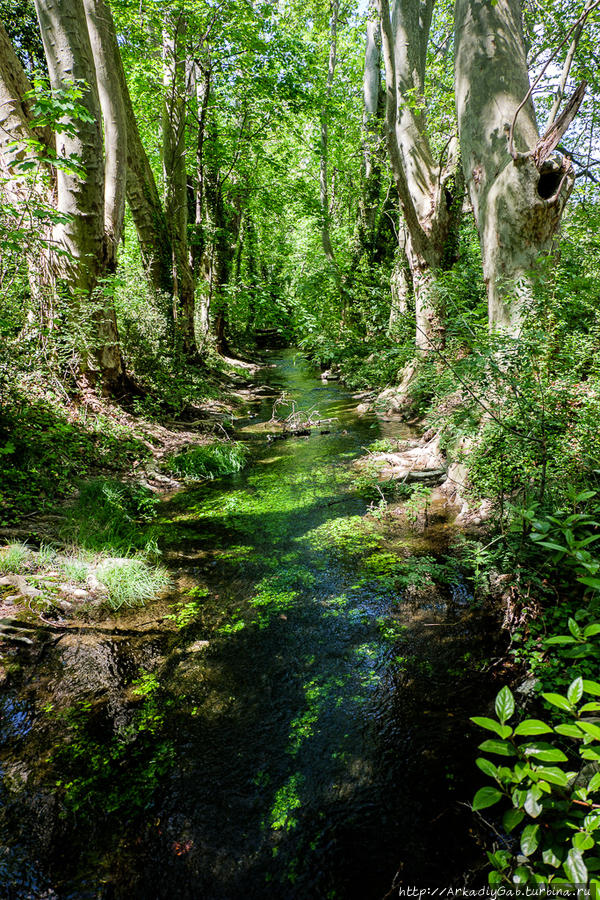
74	568
131	581
111	516
13	559
209	461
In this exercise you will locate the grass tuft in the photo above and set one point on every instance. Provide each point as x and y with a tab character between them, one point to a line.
13	559
209	461
131	581
74	568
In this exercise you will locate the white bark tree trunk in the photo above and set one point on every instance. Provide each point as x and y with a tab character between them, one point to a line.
105	52
372	138
80	198
80	195
517	197
428	191
174	167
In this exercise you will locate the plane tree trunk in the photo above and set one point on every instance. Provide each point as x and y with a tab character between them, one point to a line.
518	186
175	175
430	193
88	246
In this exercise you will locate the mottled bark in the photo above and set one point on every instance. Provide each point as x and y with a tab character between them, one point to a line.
517	197
175	175
372	126
429	192
136	175
105	52
80	195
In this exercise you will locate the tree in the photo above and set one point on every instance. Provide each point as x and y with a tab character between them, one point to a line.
175	171
430	191
518	186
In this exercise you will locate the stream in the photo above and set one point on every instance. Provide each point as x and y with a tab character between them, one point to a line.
291	721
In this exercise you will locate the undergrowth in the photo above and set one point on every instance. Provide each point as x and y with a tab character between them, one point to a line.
209	461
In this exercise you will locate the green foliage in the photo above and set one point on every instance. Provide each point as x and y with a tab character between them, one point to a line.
209	461
111	515
548	787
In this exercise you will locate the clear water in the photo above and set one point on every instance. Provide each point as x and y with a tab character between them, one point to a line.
286	724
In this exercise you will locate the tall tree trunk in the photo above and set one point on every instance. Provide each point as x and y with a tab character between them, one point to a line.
81	195
373	101
427	190
400	282
518	187
174	167
139	182
102	39
324	160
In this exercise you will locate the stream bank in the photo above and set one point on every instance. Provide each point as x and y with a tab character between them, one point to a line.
290	721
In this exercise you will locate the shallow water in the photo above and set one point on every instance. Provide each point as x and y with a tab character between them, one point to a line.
287	724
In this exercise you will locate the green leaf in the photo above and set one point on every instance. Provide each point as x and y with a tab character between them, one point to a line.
590	707
589	753
590	582
487	767
521	875
575	692
485	797
502	748
561	639
505	704
569	730
545	753
590	728
512	818
575	867
532	804
554	775
502	731
582	841
594	784
550	858
591	687
558	700
591	630
530	839
532	726
575	629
